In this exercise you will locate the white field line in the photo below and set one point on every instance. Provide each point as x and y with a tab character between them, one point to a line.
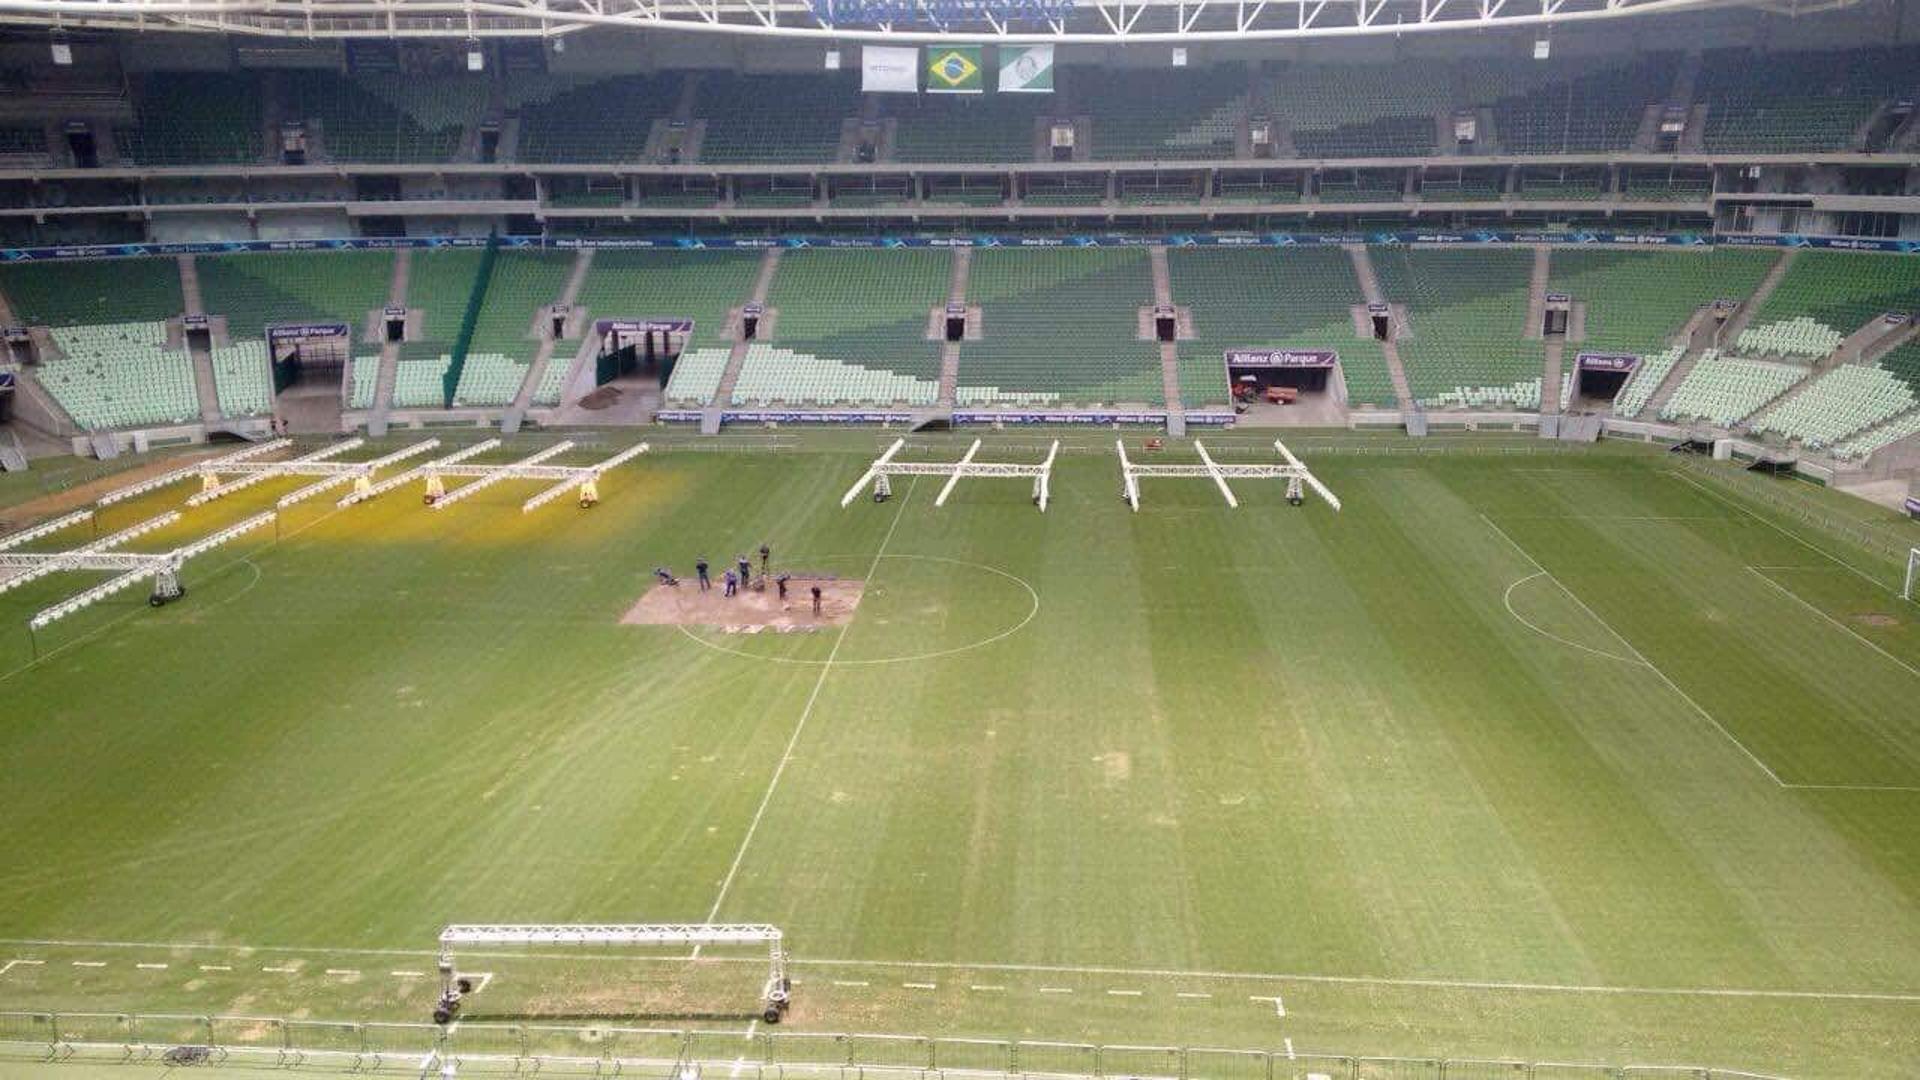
216	967
1637	654
89	963
850	982
1192	994
920	986
1289	1043
987	988
800	726
1908	996
1507	600
1725	501
1126	993
11	964
151	967
1279	1006
1844	628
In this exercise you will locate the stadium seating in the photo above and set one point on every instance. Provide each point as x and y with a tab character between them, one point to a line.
242	378
1361	111
553	380
359	124
1725	389
1160	116
1827	295
774	118
1060	326
1524	394
193	119
964	127
1850	398
1645	380
257	291
702	286
1589	113
772	375
93	291
23	146
608	120
419	382
120	375
1865	444
1637	300
847	310
487	379
1796	102
365	380
523	282
439	283
1467	311
1271	298
696	376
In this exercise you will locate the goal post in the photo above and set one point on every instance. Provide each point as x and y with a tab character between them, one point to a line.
1913	574
775	992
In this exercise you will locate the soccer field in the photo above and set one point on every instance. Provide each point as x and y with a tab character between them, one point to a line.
1533	753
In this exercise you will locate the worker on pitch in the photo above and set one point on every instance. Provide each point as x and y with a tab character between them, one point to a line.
732	582
746	570
700	567
816	601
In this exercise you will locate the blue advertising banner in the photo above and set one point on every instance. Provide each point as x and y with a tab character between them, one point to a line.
1591	361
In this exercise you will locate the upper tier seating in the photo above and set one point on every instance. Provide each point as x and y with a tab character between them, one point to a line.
24	146
359	124
1637	300
608	120
1467	315
1277	298
242	379
257	291
1591	112
1060	326
865	309
965	127
1724	389
119	375
1792	102
1827	295
1360	111
193	119
1143	115
775	118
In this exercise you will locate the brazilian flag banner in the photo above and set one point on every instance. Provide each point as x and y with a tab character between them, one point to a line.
954	69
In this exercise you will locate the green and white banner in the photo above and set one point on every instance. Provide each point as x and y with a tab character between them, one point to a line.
954	69
1026	69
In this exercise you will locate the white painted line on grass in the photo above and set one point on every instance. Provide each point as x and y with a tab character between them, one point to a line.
1192	994
800	726
89	963
1126	993
850	982
280	970
1844	628
1056	990
151	967
408	974
343	971
215	967
1279	1006
11	964
1289	1043
1716	496
1637	654
921	986
985	989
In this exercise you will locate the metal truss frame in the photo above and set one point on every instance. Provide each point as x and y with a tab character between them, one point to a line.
1001	21
583	480
1291	469
331	473
775	994
885	467
99	555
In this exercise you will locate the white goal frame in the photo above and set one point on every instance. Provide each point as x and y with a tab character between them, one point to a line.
885	467
1291	469
775	994
1913	574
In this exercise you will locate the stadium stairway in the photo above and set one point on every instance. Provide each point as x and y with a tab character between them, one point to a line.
1370	289
516	412
390	351
1751	305
1169	351
1555	351
762	285
950	351
203	381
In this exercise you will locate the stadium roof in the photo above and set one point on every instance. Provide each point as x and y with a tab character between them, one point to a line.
1008	21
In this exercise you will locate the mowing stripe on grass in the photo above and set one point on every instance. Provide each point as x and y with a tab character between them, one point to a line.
1844	628
1717	497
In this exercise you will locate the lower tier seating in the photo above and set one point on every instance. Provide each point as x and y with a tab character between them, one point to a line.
696	376
488	379
365	377
121	375
242	378
1640	386
1725	389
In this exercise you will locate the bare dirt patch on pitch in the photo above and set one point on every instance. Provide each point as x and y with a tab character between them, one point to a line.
752	610
1877	619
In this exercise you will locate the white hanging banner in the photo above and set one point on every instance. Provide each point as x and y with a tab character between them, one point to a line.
885	70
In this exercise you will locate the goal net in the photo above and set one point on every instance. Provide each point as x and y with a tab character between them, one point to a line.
1913	573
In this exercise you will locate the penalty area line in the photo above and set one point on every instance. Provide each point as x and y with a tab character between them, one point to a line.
1843	627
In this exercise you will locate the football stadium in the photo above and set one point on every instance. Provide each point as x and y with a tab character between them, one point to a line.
960	539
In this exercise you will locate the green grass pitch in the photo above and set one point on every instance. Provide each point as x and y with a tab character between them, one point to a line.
1573	756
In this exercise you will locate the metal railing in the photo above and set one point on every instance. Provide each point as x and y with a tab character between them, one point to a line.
760	1054
1740	484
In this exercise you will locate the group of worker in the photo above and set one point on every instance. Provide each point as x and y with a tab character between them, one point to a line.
739	576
